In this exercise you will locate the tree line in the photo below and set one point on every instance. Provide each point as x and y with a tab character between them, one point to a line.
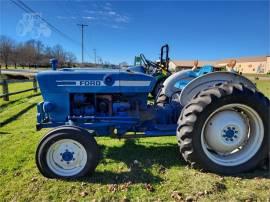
32	53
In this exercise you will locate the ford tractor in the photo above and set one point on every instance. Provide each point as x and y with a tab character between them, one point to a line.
220	119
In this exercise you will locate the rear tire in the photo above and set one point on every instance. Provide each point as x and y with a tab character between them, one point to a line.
157	89
67	152
224	129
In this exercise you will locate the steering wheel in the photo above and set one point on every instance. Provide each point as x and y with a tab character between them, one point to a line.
150	66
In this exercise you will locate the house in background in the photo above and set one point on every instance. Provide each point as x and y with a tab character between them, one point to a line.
246	65
178	65
249	65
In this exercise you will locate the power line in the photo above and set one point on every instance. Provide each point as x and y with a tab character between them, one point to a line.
71	13
27	9
82	27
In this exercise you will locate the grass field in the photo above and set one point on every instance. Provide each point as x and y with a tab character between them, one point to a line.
160	175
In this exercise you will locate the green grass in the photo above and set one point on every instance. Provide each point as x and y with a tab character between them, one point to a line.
257	75
116	177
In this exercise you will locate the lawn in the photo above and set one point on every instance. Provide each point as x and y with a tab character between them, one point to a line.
148	169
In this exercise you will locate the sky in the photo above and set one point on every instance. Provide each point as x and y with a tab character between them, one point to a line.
119	30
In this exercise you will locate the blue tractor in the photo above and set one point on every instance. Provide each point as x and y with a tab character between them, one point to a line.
220	119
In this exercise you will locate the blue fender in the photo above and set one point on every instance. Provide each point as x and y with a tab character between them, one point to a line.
176	82
211	79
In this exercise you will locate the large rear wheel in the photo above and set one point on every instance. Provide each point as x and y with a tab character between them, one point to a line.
224	129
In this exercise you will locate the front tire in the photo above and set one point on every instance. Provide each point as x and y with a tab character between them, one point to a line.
224	129
67	152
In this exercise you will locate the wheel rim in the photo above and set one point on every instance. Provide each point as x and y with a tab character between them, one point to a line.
66	157
232	134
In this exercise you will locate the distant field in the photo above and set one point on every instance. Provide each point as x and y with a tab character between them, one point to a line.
257	75
162	175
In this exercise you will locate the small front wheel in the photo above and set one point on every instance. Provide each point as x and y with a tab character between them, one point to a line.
67	152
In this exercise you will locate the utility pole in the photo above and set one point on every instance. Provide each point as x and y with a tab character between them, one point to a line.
82	26
95	55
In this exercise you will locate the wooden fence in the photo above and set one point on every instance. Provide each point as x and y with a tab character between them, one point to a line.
6	82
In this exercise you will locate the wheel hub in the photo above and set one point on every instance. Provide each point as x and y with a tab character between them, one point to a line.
67	156
230	133
226	131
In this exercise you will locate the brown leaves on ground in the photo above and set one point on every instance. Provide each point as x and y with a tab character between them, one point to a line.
219	187
125	199
177	196
34	179
125	185
189	199
83	193
203	193
161	170
16	174
113	187
149	187
121	187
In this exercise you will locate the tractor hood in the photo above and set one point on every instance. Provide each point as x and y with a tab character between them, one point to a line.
101	80
140	69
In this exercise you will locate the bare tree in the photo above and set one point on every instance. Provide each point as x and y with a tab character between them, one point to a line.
6	45
47	55
32	53
70	58
29	53
39	48
15	55
59	54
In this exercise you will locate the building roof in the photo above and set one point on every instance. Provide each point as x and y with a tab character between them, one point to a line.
190	63
243	59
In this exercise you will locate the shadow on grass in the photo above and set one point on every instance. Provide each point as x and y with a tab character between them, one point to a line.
139	159
262	171
16	116
4	133
13	101
158	158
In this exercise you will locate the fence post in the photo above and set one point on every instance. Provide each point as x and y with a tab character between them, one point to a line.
5	90
35	84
